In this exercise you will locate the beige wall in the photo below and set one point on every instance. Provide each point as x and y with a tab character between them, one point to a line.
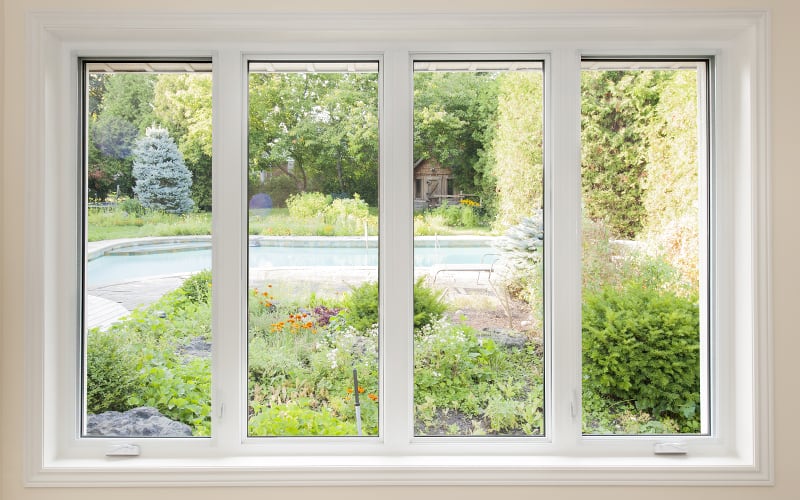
784	130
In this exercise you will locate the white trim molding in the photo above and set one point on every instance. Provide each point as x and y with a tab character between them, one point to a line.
737	451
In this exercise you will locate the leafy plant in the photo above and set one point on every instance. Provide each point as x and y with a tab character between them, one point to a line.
642	345
197	287
111	374
307	205
361	305
297	419
180	390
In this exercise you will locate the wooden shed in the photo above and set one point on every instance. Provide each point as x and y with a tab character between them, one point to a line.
433	184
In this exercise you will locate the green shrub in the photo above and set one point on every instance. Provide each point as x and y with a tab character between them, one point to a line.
461	215
307	205
197	287
642	345
345	210
110	372
428	304
361	305
131	206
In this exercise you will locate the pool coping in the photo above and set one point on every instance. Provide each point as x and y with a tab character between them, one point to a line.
96	249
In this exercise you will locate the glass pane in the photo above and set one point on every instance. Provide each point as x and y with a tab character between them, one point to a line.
147	203
478	253
313	249
644	241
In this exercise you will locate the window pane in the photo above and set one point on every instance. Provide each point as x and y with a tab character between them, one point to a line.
313	249
478	253
147	271
644	240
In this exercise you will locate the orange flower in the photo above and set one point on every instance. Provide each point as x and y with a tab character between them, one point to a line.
349	390
373	397
360	390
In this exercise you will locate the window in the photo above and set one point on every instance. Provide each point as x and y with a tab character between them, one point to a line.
147	305
644	185
478	256
304	123
312	249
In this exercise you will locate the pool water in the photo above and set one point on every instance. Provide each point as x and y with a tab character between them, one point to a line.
136	263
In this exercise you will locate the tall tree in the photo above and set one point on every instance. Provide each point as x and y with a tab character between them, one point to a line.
618	108
454	118
517	148
120	109
325	123
162	180
672	186
182	104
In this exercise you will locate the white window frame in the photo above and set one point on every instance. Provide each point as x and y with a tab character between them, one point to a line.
739	449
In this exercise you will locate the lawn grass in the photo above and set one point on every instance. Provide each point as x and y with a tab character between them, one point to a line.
105	224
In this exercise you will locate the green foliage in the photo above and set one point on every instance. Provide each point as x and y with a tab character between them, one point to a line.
182	103
308	205
454	122
111	374
347	211
119	110
197	287
428	304
180	390
609	263
517	147
618	110
671	185
642	345
131	206
129	96
326	123
137	362
297	419
301	362
457	215
492	388
361	305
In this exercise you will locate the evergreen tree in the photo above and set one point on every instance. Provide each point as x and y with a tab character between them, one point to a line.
162	180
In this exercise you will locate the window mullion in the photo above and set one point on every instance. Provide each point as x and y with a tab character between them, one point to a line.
396	252
563	247
229	247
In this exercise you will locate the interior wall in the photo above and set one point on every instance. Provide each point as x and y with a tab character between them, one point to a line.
785	176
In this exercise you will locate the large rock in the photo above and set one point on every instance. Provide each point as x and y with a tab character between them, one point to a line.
138	422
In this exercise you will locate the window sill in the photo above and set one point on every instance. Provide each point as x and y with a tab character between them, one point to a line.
396	470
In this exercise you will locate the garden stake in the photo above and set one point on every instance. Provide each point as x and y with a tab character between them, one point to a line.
358	404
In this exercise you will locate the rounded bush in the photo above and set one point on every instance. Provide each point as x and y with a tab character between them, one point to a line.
111	375
361	306
642	345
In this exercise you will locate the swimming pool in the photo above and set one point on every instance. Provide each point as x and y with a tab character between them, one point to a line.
138	261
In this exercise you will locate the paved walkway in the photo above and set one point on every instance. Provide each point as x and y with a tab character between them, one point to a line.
102	313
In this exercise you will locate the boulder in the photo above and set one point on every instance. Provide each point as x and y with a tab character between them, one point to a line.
138	422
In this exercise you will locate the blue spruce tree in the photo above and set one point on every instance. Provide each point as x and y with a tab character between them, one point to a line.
162	180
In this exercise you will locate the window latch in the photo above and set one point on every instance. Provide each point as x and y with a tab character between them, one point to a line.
670	449
123	450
